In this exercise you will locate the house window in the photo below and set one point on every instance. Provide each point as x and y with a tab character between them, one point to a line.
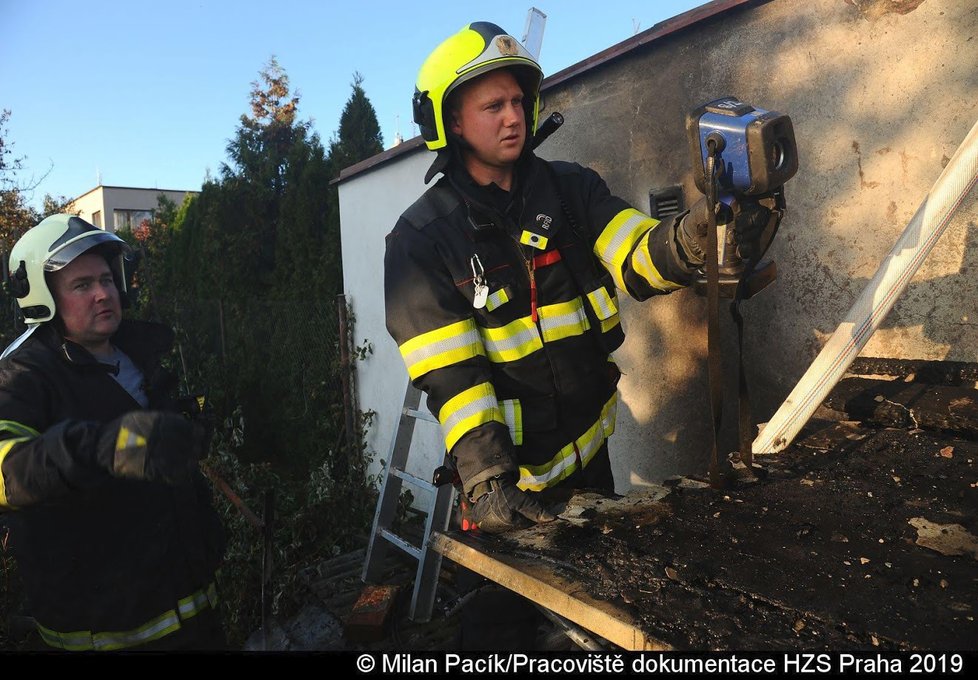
97	218
130	219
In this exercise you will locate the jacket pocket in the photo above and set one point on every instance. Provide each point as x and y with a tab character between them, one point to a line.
603	305
498	298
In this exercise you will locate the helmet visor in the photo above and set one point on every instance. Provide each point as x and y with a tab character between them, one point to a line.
63	256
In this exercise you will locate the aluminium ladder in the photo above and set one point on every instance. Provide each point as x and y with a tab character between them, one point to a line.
438	512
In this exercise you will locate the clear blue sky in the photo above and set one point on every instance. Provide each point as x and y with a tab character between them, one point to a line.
147	94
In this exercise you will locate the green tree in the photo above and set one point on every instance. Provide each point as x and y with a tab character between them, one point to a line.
359	135
248	272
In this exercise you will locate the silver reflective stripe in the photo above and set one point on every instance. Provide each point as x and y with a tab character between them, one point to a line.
164	624
564	459
502	346
644	267
469	337
480	405
196	603
20	340
513	415
167	623
84	640
564	324
623	233
538	477
602	303
497	299
74	642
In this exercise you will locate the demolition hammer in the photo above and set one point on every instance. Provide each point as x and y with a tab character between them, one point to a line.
740	155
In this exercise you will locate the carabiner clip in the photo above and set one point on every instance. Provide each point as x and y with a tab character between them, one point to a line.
480	291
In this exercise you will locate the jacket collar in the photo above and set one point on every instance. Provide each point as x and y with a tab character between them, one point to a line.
491	206
491	209
143	341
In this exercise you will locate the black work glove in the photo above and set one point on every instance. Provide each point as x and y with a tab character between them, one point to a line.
156	446
500	506
693	229
750	221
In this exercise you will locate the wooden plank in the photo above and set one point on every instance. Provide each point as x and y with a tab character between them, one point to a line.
544	587
824	552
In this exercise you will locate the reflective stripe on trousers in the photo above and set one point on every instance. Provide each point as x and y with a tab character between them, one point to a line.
580	451
160	626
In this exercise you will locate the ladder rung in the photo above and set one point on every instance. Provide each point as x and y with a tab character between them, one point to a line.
401	543
438	513
408	477
420	415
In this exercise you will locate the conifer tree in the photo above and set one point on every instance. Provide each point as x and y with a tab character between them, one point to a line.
359	135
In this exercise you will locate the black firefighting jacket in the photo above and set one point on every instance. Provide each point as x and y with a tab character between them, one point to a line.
505	311
106	563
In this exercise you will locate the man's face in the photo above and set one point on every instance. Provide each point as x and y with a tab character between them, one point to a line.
490	118
87	301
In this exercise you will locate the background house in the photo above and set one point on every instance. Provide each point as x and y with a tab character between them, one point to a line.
114	208
881	93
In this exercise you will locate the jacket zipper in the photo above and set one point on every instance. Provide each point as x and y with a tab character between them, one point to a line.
530	268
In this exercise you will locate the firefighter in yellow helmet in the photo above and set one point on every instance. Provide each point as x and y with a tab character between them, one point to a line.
501	287
109	518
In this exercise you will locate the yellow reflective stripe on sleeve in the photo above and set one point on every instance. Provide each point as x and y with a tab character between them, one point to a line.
497	299
513	341
156	628
128	439
513	415
5	447
643	266
618	238
563	464
604	308
563	320
467	410
441	347
18	429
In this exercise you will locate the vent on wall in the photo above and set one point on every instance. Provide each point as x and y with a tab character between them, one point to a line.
666	202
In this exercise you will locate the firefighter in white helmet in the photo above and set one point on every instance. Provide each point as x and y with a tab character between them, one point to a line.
109	517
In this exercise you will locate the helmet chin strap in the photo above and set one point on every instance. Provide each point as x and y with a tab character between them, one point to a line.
446	156
20	340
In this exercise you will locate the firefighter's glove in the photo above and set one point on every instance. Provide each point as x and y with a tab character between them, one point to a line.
500	506
750	221
693	229
155	446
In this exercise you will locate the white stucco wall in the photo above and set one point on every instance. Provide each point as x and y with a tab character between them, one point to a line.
369	206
